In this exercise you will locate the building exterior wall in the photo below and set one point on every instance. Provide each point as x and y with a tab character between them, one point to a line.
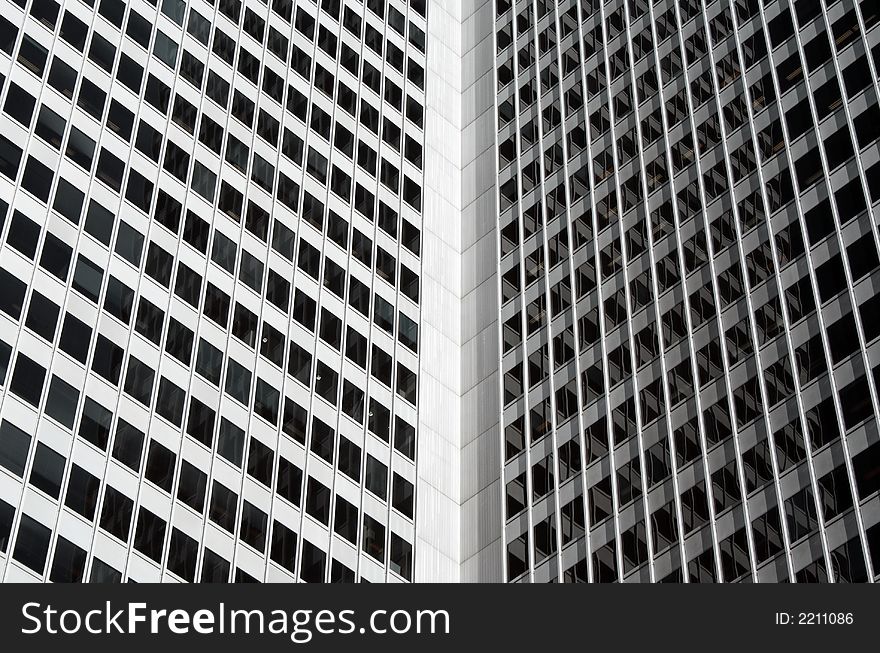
211	260
437	290
688	247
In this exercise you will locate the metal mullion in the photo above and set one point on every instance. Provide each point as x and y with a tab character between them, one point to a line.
716	545
16	189
609	423
249	407
393	434
786	546
819	310
200	320
220	388
151	222
276	454
373	284
656	66
857	315
501	422
162	563
400	207
600	307
550	381
315	338
118	391
575	326
787	331
664	380
527	427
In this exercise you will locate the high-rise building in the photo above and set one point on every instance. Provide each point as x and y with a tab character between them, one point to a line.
210	290
688	263
389	290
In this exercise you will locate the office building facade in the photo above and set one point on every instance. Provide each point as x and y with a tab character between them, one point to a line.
688	243
434	290
210	272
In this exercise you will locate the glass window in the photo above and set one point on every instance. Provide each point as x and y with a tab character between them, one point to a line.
238	382
56	256
42	316
160	465
260	463
318	501
62	402
223	506
32	544
94	424
169	402
87	278
200	424
116	513
128	445
289	483
48	470
68	563
82	492
230	442
192	486
14	447
253	526
376	477
27	380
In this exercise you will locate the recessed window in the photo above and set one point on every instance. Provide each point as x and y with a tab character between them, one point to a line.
179	342
139	381
209	362
14	447
47	471
128	445
32	544
238	382
56	256
68	563
116	513
266	402
42	316
350	459
23	234
200	424
289	483
192	487
118	300
19	104
160	465
313	564
402	496
149	537
215	568
183	553
374	538
253	526
223	506
346	520
62	401
318	501
87	278
27	380
82	492
94	424
230	442
169	402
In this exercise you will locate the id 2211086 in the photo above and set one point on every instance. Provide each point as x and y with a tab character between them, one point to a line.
814	618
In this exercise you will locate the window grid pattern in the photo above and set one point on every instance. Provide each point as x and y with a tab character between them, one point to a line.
687	241
210	259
